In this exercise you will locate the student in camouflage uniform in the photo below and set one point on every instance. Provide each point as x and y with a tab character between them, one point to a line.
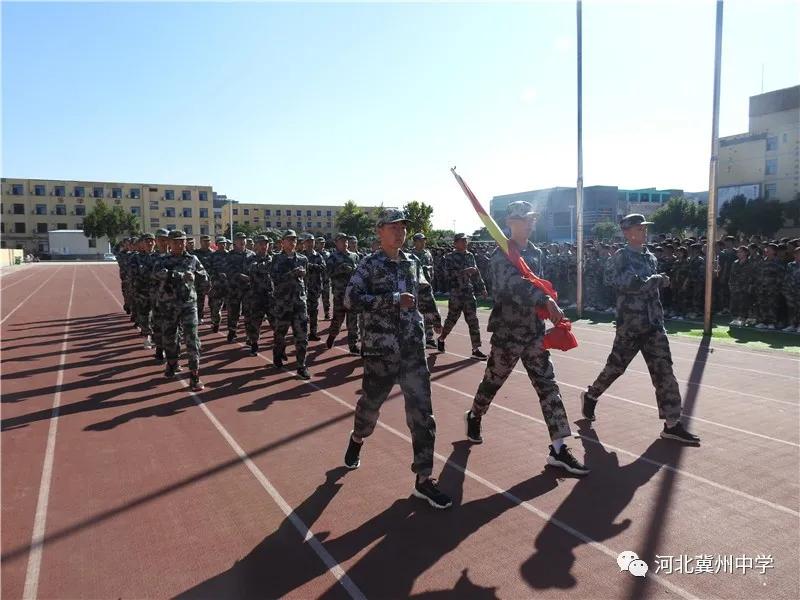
316	270
341	266
235	267
465	279
260	291
727	256
771	273
518	333
593	279
219	282
178	275
123	264
640	327
157	314
203	253
679	283
425	260
288	276
386	288
696	281
141	266
791	291
740	283
326	279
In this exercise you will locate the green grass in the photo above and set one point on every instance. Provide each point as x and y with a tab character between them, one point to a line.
748	338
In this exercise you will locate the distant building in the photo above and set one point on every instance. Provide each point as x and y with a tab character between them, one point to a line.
71	243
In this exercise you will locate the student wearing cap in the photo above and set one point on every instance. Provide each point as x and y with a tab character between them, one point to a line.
462	271
319	246
178	275
791	291
640	328
696	281
235	268
203	253
260	292
341	266
425	260
288	276
740	282
141	265
315	271
161	252
771	273
126	251
725	259
386	289
219	282
352	246
518	333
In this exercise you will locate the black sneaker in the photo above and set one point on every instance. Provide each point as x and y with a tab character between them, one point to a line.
431	343
254	349
564	460
428	490
170	370
327	317
354	349
277	361
478	355
231	336
215	327
314	338
329	342
679	433
473	424
440	345
588	407
195	383
303	373
159	355
351	458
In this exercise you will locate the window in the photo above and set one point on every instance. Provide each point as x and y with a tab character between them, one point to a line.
41	209
61	225
187	213
79	191
92	243
98	192
79	225
187	229
80	210
278	224
278	212
267	223
135	193
19	209
319	213
772	143
203	196
171	226
308	213
328	225
645	198
235	223
17	189
203	229
771	167
61	209
267	212
256	219
19	227
116	192
319	224
299	225
770	190
255	210
308	225
247	223
41	228
59	191
298	213
203	213
236	211
169	194
327	213
135	210
154	223
39	190
169	212
186	195
246	211
3	230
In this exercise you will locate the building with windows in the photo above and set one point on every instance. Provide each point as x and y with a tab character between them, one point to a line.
33	207
765	161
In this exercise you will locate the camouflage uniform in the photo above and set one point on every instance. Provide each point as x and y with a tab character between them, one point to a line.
204	256
259	295
518	333
141	265
771	273
290	305
315	272
156	302
326	284
425	260
695	284
640	327
680	285
462	295
394	348
235	266
791	291
740	282
126	283
341	267
219	283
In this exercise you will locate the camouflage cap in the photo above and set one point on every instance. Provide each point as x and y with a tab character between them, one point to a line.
162	233
240	236
177	235
392	215
205	238
340	236
460	236
220	239
145	236
260	238
419	236
320	239
633	220
289	233
352	238
520	210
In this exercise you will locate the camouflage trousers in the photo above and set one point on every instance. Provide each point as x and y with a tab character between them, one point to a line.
536	360
233	302
142	307
469	306
201	304
740	303
340	315
298	319
792	307
257	309
654	347
312	302
157	317
410	371
767	306
326	297
179	318
216	297
127	294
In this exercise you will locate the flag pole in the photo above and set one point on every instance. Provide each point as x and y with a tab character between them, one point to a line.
579	186
711	223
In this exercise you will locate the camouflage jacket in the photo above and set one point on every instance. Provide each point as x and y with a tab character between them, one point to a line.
290	290
205	258
771	273
725	259
696	270
425	260
374	289
178	278
315	272
341	267
637	282
235	265
791	283
326	278
140	266
513	316
217	262
259	270
741	277
463	284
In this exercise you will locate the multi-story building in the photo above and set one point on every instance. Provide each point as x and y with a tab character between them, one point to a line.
32	207
765	161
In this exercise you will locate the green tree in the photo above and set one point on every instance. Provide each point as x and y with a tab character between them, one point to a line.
605	230
756	216
109	222
419	216
482	235
441	236
354	221
678	215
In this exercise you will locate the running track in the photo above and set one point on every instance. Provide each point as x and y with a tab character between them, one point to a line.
119	483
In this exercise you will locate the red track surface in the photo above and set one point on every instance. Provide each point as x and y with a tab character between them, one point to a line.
156	492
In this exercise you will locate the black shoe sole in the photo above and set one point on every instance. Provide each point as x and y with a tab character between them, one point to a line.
430	501
669	436
554	462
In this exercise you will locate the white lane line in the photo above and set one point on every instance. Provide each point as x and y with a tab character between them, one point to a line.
651	407
29	296
308	536
665	466
40	518
3	287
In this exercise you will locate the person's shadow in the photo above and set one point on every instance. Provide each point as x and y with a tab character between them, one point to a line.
592	509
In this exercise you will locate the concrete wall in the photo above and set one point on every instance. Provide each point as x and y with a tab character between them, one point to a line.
8	256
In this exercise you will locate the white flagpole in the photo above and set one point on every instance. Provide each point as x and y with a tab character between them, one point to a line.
579	186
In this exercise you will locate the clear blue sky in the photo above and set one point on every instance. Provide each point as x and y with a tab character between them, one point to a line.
374	102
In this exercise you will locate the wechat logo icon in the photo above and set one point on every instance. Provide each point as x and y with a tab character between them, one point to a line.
630	561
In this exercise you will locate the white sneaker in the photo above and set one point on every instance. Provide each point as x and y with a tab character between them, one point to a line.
148	342
749	322
735	323
773	327
789	329
760	326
